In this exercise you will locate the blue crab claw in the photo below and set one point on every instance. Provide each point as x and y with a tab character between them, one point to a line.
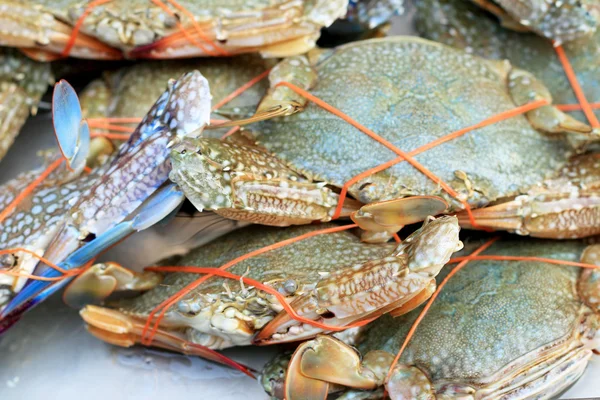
157	207
72	131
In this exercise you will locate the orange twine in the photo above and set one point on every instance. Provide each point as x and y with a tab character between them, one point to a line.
585	105
79	23
215	51
29	189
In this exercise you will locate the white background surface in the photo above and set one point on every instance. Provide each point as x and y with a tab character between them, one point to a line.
49	355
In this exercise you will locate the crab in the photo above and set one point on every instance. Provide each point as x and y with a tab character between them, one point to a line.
494	332
460	24
167	29
561	21
292	173
34	221
22	84
331	278
126	194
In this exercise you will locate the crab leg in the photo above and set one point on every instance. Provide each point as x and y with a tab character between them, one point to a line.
30	27
278	31
281	100
72	131
117	328
566	206
380	220
553	219
524	88
588	284
22	84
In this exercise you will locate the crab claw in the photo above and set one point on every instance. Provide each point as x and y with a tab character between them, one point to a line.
325	360
390	216
33	28
98	282
71	130
397	283
159	206
116	328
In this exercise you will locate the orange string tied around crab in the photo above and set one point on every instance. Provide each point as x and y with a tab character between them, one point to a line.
30	188
583	102
42	259
212	50
576	107
265	288
77	27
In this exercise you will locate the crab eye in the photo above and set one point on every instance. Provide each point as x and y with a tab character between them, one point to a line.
183	151
7	261
90	236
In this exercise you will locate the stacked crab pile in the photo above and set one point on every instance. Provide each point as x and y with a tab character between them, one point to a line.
329	187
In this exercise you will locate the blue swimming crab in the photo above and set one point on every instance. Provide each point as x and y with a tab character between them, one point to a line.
499	329
36	218
565	205
331	278
167	29
293	171
118	198
22	84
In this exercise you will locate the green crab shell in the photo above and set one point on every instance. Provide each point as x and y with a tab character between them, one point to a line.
291	269
460	24
489	314
410	92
